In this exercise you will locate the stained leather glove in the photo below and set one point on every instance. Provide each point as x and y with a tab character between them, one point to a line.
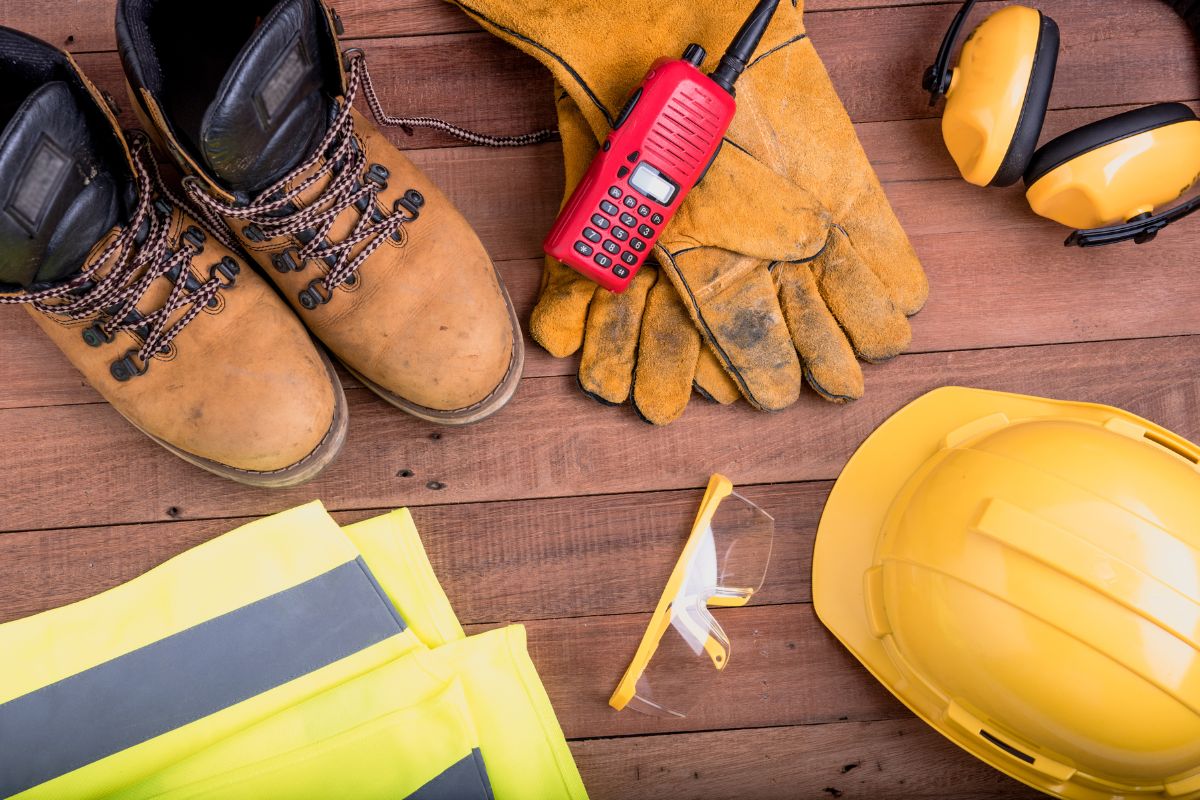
788	252
641	342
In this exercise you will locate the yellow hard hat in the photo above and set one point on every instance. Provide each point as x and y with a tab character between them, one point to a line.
1024	574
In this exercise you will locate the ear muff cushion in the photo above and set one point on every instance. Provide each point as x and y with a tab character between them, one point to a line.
1103	132
1033	113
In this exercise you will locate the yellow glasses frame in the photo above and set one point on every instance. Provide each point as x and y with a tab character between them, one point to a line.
719	488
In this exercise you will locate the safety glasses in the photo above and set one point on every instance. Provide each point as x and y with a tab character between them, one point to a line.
684	650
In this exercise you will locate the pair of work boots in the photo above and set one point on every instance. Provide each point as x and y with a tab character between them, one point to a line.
150	294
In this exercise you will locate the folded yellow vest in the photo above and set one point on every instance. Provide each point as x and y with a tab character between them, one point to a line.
287	659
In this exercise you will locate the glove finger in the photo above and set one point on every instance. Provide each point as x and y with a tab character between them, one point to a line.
610	344
830	365
733	301
666	359
561	312
860	302
712	380
884	247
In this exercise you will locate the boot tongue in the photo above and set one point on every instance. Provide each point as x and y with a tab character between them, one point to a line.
59	195
272	107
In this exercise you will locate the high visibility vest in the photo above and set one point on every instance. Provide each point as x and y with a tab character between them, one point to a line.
287	659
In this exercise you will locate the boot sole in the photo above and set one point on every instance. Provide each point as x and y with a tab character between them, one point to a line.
495	401
302	471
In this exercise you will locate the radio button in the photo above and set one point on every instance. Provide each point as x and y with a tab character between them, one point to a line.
630	201
591	234
603	260
614	192
608	208
619	233
629	258
612	247
645	231
628	219
583	249
657	219
600	222
637	244
620	272
644	210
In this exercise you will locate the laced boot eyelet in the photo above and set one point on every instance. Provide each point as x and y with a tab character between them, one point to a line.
412	202
97	336
287	261
351	282
253	233
162	207
195	237
378	174
126	368
226	270
317	294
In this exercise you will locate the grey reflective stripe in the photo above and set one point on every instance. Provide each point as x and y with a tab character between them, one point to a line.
465	780
191	674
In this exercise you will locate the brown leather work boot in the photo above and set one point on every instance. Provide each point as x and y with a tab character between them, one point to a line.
169	325
254	100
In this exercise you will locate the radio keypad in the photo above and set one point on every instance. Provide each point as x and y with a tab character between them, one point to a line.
612	248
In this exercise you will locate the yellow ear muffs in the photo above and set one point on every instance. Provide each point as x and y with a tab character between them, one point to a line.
1116	169
998	95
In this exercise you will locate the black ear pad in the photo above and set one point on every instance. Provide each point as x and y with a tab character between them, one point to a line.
1033	112
1103	132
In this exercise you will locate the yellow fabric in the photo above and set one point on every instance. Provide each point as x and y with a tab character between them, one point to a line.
255	561
392	548
791	184
342	743
379	723
522	745
178	594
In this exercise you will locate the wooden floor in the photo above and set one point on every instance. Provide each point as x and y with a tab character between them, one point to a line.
567	515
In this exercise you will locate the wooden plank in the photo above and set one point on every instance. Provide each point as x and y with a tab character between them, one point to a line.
88	26
502	561
876	57
118	476
897	759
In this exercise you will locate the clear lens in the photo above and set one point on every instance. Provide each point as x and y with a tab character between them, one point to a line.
726	565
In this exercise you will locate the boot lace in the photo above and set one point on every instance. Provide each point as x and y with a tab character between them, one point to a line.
278	211
140	254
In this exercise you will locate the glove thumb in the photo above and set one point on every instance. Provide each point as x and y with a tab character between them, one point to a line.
745	207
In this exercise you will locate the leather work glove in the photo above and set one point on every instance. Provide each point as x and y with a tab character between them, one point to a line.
642	341
787	257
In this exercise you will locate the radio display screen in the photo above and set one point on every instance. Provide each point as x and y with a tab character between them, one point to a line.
653	184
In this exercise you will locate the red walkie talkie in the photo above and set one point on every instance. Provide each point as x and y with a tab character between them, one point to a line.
662	143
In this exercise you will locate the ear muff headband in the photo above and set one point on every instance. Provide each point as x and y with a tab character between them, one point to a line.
938	80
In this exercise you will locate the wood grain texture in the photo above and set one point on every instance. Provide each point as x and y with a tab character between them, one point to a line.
893	759
589	451
508	561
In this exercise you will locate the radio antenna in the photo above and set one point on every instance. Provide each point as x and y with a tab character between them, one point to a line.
742	48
